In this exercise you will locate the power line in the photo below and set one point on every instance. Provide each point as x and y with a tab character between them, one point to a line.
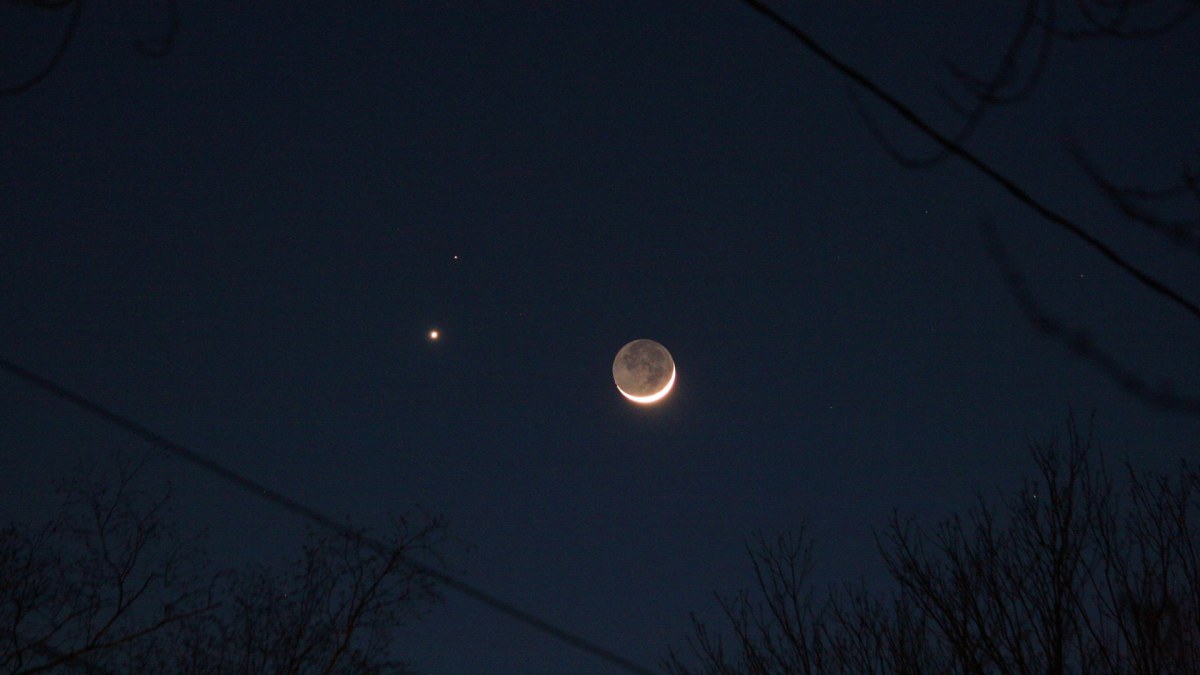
970	158
263	492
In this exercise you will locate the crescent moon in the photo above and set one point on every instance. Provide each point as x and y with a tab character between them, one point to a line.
644	371
652	397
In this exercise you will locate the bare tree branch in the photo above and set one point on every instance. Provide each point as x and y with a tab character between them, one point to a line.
1004	87
953	148
60	51
159	48
1077	341
1139	204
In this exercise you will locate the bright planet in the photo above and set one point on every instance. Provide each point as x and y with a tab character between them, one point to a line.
644	371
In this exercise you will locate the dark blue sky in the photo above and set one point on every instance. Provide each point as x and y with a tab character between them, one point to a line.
244	244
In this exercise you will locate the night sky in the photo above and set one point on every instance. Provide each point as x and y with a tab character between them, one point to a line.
245	244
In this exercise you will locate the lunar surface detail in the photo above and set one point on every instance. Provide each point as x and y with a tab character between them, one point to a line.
644	371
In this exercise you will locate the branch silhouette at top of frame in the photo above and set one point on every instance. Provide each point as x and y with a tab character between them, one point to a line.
1077	340
76	8
1148	206
1126	19
952	148
160	47
1005	87
155	48
1041	24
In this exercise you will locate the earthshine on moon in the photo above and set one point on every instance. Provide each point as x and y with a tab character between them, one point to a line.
644	371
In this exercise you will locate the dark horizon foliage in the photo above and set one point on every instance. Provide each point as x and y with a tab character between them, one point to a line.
1079	570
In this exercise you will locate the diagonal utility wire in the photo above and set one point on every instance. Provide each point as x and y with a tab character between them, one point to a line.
289	504
986	169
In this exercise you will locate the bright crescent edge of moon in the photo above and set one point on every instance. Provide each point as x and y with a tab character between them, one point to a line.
652	397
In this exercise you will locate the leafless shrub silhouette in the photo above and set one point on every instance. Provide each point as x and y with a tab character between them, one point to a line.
1075	572
111	585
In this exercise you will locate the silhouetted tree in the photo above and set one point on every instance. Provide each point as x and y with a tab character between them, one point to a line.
110	585
1071	574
